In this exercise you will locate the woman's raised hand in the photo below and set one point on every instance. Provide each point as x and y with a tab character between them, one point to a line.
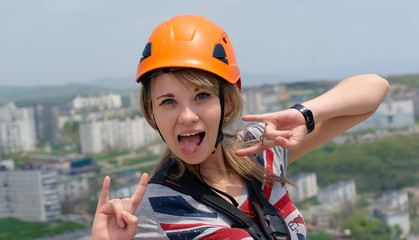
285	128
114	218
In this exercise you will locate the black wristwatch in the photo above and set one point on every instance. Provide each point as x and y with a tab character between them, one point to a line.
308	115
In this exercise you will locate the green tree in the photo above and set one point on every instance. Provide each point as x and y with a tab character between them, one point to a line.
381	165
12	228
318	234
396	232
70	132
363	228
411	80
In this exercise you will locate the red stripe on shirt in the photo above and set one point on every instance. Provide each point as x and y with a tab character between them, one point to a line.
168	227
227	233
173	183
247	209
269	158
245	206
285	206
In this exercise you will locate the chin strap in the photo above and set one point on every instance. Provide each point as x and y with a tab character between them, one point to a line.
220	135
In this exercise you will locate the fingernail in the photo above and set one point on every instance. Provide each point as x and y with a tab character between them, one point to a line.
122	223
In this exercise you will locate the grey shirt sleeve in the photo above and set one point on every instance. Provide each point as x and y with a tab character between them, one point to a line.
148	226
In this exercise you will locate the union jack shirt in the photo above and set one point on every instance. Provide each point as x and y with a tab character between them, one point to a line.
167	214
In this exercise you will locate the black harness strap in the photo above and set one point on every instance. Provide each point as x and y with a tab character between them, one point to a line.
272	223
189	184
275	225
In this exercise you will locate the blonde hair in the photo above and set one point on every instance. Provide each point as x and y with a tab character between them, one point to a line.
244	166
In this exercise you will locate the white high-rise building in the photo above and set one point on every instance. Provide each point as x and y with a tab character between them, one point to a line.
29	195
46	119
261	100
334	193
135	101
306	186
17	129
101	102
115	135
390	114
393	209
74	187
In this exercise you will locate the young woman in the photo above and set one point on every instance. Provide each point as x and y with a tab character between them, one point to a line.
190	93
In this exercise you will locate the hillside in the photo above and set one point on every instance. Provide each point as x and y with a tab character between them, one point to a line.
411	80
376	166
64	93
50	94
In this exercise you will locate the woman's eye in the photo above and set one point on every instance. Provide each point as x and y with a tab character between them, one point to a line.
202	95
167	101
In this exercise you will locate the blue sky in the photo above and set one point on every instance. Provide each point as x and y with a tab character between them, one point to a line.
54	42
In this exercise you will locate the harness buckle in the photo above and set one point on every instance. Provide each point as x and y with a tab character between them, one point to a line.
275	227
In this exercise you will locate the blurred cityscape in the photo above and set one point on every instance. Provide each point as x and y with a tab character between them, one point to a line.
55	154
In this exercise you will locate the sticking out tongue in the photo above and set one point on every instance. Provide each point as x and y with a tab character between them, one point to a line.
189	144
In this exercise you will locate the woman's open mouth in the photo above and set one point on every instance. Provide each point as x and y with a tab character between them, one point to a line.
190	142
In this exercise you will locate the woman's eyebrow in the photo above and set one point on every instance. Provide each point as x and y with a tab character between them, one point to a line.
165	96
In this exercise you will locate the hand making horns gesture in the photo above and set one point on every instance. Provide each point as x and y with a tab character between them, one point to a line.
114	218
284	128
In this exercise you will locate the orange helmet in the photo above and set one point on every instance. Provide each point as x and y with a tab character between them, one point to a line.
190	41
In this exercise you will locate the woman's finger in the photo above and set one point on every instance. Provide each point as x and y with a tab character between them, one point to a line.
139	192
248	151
104	194
255	118
285	143
289	141
271	132
116	207
262	145
129	218
131	221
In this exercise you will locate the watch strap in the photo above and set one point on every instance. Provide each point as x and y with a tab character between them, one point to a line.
308	115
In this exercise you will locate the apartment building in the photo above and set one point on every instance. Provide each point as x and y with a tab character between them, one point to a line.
116	135
17	129
74	187
318	215
306	186
262	99
46	119
29	195
135	100
393	209
390	114
337	192
396	199
101	102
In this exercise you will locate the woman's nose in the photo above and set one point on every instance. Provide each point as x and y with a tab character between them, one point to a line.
187	116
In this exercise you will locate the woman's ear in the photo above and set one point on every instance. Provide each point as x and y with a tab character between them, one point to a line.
227	111
149	113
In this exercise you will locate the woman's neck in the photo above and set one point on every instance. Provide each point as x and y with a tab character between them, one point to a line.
216	173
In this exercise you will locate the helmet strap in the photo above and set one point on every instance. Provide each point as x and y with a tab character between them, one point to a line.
155	123
220	126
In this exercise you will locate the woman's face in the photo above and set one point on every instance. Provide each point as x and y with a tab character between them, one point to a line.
187	117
